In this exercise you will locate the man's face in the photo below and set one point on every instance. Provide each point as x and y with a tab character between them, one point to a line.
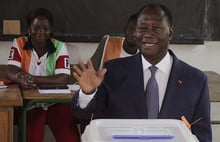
153	34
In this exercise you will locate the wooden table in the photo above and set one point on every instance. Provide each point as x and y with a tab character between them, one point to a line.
31	97
9	98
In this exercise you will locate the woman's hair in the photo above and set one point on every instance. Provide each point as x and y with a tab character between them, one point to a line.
39	12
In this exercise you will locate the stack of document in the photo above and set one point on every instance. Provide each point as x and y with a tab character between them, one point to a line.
53	89
57	88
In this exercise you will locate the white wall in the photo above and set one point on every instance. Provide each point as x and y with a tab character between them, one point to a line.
206	57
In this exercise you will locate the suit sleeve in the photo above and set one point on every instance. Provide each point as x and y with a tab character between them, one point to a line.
202	129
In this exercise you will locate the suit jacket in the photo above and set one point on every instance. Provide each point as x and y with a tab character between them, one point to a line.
122	95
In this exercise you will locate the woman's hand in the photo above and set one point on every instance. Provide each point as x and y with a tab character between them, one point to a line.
26	80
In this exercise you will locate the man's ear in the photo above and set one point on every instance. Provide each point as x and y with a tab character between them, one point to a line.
171	30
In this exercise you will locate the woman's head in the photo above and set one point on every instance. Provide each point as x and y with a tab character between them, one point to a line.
39	12
39	22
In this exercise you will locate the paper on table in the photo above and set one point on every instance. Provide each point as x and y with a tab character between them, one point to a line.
73	87
53	91
3	86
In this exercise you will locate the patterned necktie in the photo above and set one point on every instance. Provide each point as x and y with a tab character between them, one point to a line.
152	95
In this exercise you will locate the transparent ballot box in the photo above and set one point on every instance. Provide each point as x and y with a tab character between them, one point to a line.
137	130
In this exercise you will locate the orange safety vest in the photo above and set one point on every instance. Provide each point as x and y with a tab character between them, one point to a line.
113	48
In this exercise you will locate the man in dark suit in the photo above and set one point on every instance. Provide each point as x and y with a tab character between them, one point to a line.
118	90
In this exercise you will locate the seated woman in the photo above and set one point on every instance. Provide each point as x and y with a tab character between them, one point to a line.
39	59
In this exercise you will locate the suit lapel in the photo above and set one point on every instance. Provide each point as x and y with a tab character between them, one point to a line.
174	81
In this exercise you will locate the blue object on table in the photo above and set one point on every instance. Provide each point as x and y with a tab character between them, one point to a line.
145	137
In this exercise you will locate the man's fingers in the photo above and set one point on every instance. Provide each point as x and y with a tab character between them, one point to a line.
102	72
82	66
90	64
76	76
77	69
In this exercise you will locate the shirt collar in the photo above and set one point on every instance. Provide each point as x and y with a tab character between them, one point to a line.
164	65
50	45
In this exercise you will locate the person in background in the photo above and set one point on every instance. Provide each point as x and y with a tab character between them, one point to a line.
129	44
121	89
39	59
112	47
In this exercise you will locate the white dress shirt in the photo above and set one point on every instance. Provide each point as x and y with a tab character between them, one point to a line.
162	74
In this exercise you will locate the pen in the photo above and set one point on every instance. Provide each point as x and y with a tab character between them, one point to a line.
186	122
188	125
